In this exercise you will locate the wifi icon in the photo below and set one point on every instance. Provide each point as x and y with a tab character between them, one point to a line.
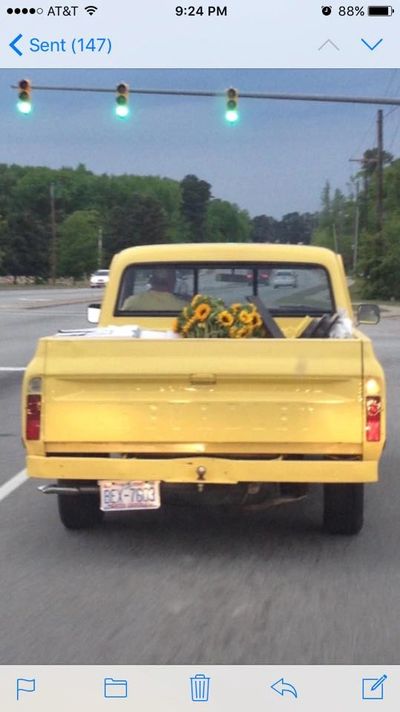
91	9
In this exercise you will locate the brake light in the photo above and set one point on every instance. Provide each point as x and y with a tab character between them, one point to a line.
373	420
33	409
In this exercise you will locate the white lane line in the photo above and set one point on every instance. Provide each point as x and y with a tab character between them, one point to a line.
11	369
12	484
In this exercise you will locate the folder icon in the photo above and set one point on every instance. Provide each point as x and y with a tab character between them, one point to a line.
115	688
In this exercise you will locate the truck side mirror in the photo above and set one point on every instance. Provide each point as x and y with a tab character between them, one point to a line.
93	313
368	314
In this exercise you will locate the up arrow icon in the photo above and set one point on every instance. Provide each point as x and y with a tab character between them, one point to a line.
327	43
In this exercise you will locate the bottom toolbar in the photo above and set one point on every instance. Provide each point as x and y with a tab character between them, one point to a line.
178	688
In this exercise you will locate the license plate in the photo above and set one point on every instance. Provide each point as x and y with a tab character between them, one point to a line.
123	496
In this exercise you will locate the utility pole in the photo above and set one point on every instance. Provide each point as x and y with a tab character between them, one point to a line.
356	233
378	163
100	247
379	178
53	254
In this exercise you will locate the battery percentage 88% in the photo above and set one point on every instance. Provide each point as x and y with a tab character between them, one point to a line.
351	11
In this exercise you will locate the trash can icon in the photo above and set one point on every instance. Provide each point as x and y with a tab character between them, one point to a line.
200	687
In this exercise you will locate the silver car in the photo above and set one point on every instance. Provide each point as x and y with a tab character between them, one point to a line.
284	278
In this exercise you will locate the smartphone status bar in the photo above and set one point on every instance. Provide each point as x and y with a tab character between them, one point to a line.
163	33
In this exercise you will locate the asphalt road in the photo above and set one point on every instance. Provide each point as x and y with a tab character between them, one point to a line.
184	586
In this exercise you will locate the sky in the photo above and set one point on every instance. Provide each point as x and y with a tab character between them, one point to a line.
275	160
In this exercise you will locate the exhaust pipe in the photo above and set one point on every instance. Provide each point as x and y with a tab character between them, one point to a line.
60	489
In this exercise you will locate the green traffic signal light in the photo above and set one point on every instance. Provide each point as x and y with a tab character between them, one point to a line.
24	104
231	112
122	101
232	115
24	107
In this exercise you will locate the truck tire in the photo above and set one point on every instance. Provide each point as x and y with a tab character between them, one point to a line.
343	508
79	511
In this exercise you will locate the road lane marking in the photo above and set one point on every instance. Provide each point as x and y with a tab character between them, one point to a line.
11	369
12	484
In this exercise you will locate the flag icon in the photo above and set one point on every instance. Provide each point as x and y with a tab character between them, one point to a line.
25	685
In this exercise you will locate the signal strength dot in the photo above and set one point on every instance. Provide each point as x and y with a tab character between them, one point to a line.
23	11
91	9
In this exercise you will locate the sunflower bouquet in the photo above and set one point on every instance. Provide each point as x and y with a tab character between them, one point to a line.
209	317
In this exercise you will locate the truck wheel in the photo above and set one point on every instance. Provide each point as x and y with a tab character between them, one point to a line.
343	508
79	511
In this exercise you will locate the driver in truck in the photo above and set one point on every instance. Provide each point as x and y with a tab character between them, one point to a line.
160	296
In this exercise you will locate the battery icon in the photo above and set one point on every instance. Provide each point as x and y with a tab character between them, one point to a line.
380	10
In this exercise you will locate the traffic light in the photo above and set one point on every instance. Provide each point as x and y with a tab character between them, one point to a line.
122	107
232	98
24	104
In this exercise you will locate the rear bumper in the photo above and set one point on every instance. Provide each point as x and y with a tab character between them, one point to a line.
210	470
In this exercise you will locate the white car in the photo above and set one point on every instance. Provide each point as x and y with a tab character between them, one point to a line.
284	278
99	278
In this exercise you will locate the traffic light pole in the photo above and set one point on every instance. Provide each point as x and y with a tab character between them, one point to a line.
382	101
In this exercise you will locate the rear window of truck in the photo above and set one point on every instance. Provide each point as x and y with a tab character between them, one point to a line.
165	288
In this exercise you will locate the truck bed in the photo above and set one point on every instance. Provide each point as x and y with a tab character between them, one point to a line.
254	396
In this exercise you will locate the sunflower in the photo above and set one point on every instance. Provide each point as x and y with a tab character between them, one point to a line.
202	311
225	318
245	317
256	319
243	332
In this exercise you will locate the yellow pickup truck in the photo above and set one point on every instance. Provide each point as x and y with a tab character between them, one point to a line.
129	415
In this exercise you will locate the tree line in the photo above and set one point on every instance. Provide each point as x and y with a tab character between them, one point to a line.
75	221
350	224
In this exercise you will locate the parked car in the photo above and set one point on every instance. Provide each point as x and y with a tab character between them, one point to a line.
284	278
99	278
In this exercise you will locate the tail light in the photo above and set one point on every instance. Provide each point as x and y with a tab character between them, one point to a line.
33	409
373	420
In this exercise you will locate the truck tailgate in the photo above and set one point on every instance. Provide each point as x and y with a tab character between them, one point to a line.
197	394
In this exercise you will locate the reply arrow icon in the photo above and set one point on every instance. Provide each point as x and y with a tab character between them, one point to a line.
280	686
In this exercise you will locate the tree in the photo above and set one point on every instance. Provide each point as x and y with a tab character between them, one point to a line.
295	228
142	221
28	224
196	195
370	161
226	222
78	253
264	229
335	224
